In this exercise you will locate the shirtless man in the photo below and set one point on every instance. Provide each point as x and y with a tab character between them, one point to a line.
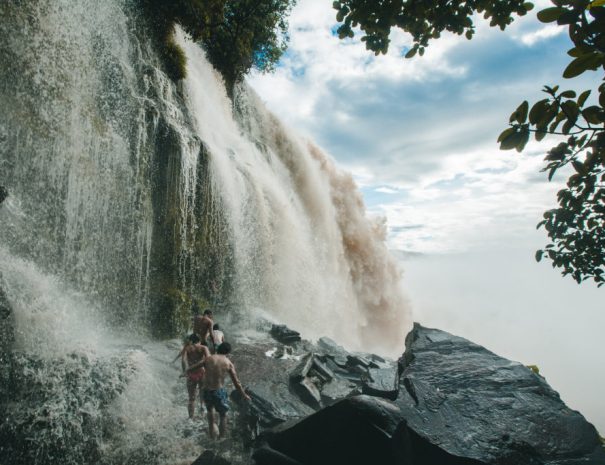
218	366
202	326
193	355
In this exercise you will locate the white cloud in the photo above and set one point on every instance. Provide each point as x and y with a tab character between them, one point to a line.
544	33
386	190
422	131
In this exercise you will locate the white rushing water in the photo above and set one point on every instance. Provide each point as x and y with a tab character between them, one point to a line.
304	248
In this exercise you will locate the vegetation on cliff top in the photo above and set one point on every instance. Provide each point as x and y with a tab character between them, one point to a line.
238	35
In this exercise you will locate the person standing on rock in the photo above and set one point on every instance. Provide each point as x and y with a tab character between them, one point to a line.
194	354
202	326
217	367
219	336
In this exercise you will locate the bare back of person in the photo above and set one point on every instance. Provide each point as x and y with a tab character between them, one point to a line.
195	353
202	326
217	368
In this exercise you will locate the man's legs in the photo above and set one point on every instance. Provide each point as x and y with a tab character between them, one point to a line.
223	425
201	391
211	421
191	391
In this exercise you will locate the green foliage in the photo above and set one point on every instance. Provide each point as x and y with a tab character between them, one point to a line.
577	227
174	57
253	33
237	34
423	20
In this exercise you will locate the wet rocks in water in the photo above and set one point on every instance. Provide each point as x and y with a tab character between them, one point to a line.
284	334
209	457
3	194
382	382
455	403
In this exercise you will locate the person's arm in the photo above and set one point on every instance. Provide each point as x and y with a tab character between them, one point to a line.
212	332
181	354
236	383
206	354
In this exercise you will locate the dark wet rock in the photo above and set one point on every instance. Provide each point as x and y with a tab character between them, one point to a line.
308	391
478	405
210	457
382	382
3	194
357	430
284	334
303	368
268	456
359	361
337	389
266	381
332	350
322	370
457	404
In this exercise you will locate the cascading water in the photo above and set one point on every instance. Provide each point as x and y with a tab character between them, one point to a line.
131	197
303	247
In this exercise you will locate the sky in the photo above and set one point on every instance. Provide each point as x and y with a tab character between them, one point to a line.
419	137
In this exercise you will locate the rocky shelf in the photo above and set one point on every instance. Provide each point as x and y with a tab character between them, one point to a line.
446	401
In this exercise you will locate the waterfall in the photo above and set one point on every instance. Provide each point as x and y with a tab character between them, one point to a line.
303	248
132	197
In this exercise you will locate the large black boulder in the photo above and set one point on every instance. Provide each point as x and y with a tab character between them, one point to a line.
457	404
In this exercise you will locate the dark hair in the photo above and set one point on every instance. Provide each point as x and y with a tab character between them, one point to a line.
207	312
216	327
194	338
224	349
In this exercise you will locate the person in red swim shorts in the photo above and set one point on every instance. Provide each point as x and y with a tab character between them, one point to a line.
194	353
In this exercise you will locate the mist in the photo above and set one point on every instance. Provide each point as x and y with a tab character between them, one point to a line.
521	310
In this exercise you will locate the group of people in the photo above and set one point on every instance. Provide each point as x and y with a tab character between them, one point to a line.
207	369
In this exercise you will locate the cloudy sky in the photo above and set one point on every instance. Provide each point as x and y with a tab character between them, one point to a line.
419	137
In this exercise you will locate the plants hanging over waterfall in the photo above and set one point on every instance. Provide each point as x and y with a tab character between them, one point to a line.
238	35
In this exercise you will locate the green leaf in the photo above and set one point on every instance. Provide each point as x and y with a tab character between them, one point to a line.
539	254
549	15
596	3
504	134
582	99
592	114
571	110
582	63
540	134
521	112
511	141
579	167
523	139
411	53
538	111
568	94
